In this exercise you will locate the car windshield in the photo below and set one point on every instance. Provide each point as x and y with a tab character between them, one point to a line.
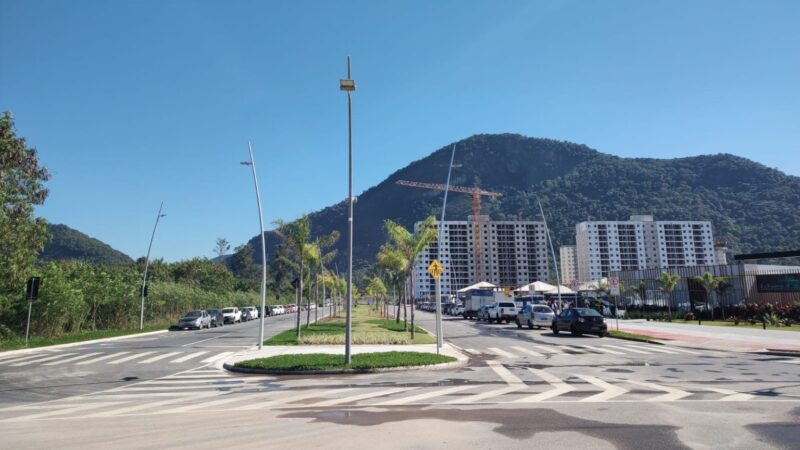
212	311
507	305
192	314
542	309
587	312
227	310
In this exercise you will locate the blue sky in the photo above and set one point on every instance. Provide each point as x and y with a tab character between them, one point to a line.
131	103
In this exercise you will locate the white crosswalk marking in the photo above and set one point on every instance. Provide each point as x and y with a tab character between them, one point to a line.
188	357
57	412
148	405
526	351
652	348
683	350
504	373
472	351
355	398
128	358
500	352
101	358
35	361
547	349
253	406
730	396
601	349
427	395
18	358
672	394
74	358
158	357
513	384
228	398
629	349
609	390
790	361
216	358
559	387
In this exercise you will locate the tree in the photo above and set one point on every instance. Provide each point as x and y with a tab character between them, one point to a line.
668	283
411	245
392	261
22	235
247	273
222	246
318	258
296	235
710	283
376	289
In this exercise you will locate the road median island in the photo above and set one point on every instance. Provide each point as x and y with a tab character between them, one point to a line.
632	337
324	363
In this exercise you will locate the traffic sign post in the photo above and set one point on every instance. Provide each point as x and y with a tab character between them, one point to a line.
31	292
614	288
436	270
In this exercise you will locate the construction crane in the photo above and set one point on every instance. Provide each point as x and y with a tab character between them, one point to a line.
476	194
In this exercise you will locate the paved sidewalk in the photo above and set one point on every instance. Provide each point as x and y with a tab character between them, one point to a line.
742	339
275	350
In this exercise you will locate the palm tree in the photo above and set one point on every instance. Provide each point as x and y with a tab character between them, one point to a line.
723	287
710	283
411	245
393	263
316	260
296	235
668	283
376	289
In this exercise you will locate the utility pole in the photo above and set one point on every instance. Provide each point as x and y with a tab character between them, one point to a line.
439	337
349	86
147	265
252	165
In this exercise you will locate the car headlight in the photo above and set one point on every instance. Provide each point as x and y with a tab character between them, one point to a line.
580	319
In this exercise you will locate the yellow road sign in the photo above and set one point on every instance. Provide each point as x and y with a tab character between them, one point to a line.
435	269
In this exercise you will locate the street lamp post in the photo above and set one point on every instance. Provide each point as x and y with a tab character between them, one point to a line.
349	86
252	165
553	252
439	337
147	265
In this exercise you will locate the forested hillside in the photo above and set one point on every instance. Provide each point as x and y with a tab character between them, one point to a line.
752	207
68	243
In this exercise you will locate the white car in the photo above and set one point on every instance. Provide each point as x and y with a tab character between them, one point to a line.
458	310
278	310
500	311
535	316
231	314
253	312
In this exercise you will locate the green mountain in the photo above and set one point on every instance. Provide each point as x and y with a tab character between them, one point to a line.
751	206
68	243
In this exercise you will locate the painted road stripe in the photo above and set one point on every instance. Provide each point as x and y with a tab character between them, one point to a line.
472	351
102	358
23	358
158	357
683	350
148	405
504	373
426	395
730	396
217	358
672	394
128	358
609	390
501	353
629	349
355	398
604	350
58	412
526	351
188	357
285	400
653	348
34	361
547	349
74	358
559	387
228	398
484	395
790	361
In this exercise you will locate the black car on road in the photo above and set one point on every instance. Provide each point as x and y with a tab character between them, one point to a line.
580	320
216	317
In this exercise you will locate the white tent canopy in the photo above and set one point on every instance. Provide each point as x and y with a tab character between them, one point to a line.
480	285
564	291
592	285
536	286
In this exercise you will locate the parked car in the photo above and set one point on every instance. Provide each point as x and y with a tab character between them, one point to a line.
500	311
253	312
483	313
197	319
580	320
280	309
216	317
231	314
458	310
291	308
535	316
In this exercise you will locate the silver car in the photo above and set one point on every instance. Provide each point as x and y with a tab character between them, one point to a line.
535	316
197	319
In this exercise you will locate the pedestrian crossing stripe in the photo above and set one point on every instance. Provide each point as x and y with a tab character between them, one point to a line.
116	358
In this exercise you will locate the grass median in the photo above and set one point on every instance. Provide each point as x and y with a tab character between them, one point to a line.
742	324
366	329
630	336
360	362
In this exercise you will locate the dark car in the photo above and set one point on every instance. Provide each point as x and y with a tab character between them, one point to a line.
216	317
580	320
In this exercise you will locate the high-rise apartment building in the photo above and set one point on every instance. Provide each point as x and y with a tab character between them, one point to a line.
569	264
641	243
512	253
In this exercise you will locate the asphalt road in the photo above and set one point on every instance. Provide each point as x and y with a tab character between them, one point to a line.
521	388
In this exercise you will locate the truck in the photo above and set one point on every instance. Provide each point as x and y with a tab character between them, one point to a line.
477	298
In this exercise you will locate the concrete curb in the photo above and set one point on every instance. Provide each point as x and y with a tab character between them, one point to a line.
634	340
450	365
75	344
778	352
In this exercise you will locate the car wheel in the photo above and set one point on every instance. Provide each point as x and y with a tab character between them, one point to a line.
530	325
555	329
519	325
574	331
601	335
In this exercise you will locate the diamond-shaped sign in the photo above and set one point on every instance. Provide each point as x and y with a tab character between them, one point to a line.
435	269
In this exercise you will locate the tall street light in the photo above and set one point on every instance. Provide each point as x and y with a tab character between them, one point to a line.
147	265
553	252
349	86
439	337
252	165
